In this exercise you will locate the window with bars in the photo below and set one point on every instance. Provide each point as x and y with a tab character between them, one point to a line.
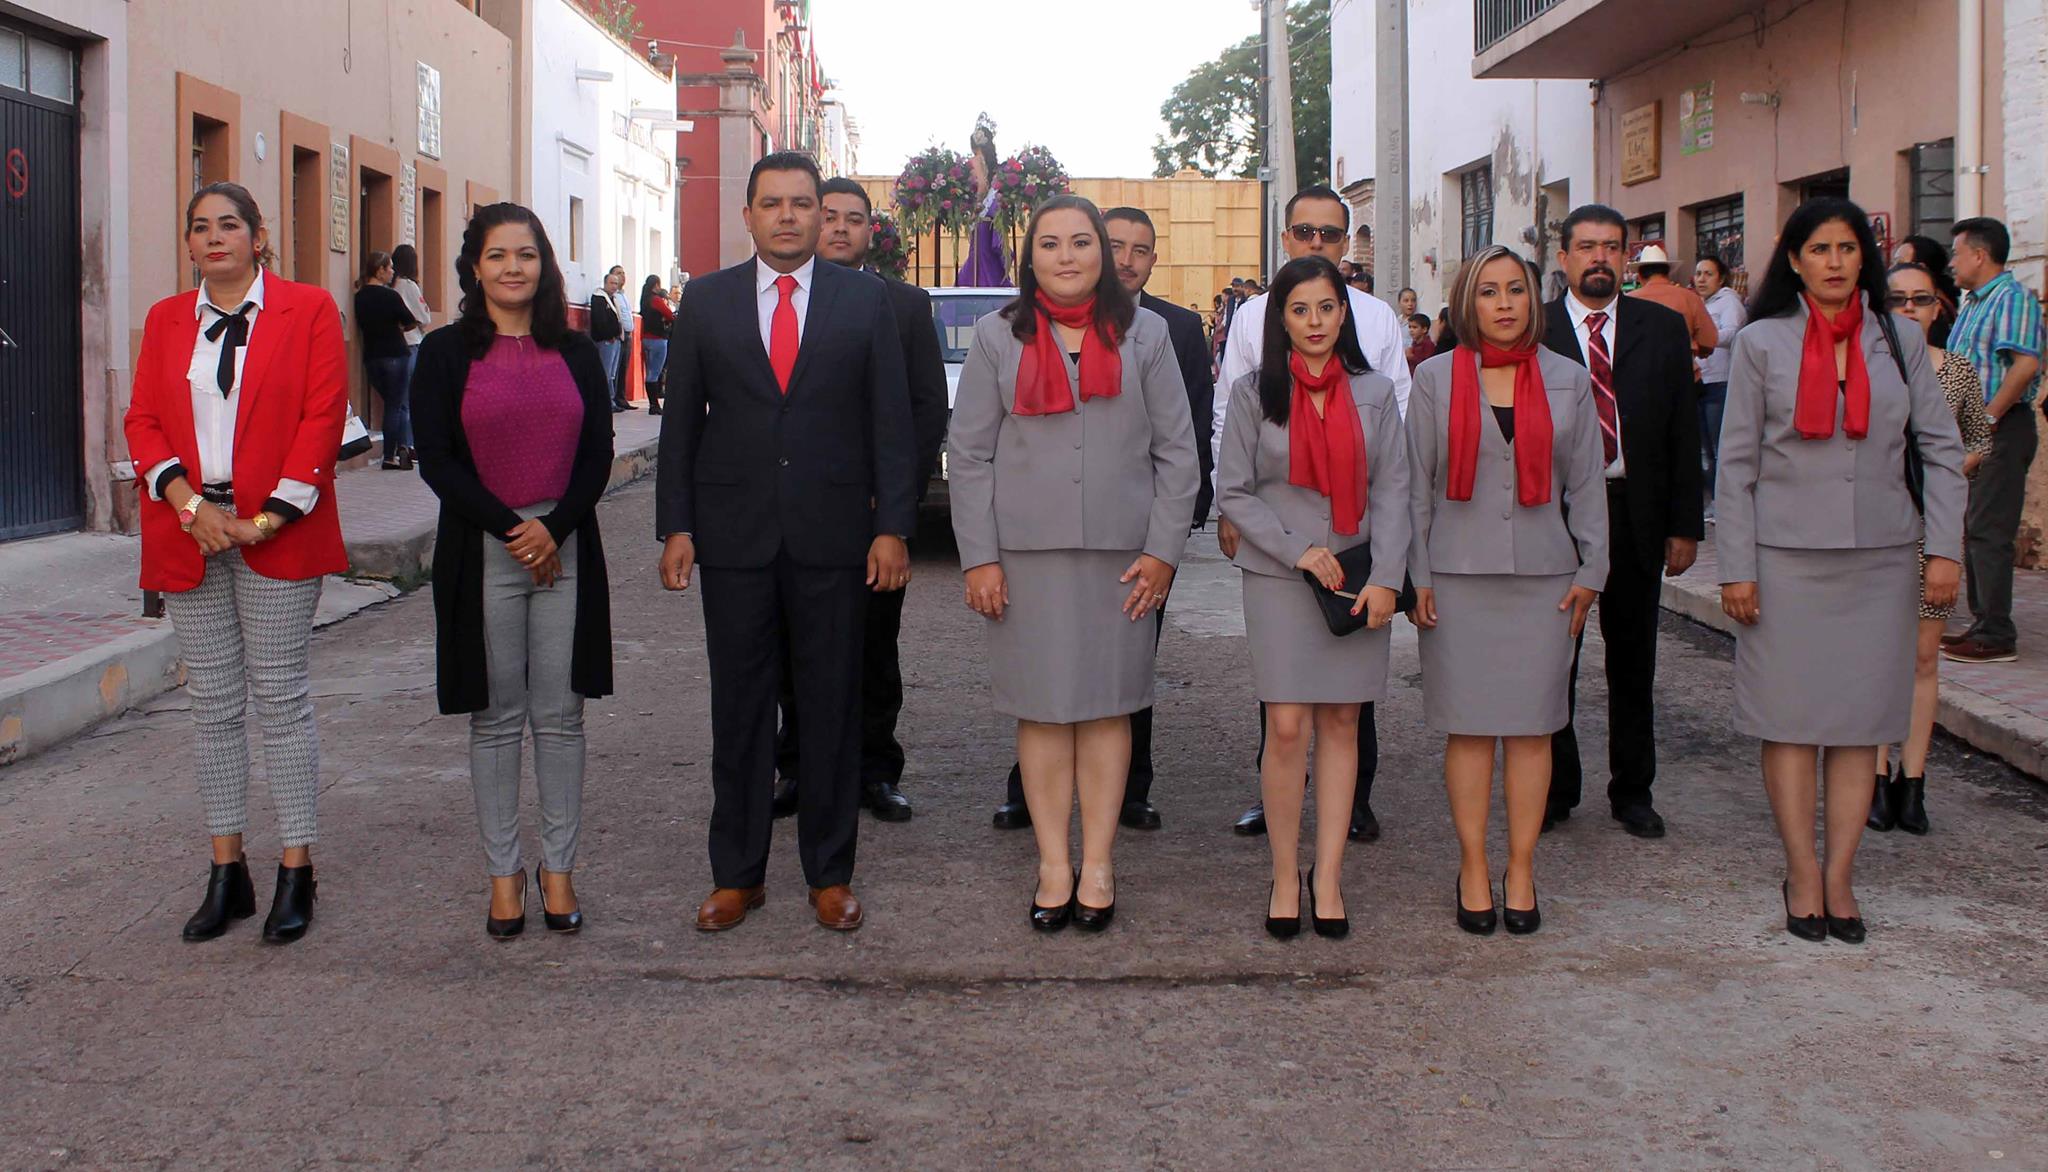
1475	197
1717	231
1934	188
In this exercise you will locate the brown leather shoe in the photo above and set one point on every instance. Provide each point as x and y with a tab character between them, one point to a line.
837	908
728	907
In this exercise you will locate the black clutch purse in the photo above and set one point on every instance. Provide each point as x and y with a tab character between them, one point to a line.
1337	604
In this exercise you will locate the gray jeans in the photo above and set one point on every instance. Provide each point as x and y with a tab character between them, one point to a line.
1992	525
529	640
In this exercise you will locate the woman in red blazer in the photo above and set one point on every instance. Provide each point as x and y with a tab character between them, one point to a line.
240	393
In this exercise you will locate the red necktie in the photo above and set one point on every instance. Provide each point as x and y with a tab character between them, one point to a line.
1603	384
782	332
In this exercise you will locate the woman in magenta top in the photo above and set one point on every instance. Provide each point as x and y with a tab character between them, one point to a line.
512	417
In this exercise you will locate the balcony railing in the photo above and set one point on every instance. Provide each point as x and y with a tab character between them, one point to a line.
1494	20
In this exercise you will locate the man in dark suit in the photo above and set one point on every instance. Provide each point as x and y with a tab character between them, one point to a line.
1640	357
788	470
848	225
1134	247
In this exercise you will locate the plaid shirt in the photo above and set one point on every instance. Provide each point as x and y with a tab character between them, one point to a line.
1998	321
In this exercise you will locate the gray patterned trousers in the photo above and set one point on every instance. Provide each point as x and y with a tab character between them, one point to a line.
241	633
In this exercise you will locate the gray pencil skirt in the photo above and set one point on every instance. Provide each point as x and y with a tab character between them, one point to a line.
1295	658
1830	660
1499	661
1064	652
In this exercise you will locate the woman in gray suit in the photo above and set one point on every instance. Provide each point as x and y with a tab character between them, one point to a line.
1509	550
1313	465
1071	394
1817	532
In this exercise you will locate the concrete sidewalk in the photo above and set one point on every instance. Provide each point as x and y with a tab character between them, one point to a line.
76	649
2000	708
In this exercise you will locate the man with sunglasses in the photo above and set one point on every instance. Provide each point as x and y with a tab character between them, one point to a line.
1318	224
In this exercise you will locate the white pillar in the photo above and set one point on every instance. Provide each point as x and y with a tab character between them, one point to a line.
1390	176
1969	108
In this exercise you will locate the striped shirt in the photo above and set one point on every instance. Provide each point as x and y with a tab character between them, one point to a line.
1999	321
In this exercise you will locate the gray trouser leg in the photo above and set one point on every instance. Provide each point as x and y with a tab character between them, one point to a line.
1991	526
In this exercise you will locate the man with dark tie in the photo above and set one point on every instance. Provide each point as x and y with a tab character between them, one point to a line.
1134	248
787	470
848	220
1640	357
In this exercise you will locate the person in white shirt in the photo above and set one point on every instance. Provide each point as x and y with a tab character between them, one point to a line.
1318	224
1724	305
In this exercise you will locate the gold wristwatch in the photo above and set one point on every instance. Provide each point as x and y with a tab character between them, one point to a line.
265	526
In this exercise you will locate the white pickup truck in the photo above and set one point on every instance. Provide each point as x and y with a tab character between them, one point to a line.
954	312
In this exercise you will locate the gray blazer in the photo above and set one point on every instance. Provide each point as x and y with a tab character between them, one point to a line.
1774	488
1113	474
1278	521
1492	533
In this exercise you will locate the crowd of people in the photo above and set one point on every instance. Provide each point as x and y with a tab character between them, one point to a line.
1492	475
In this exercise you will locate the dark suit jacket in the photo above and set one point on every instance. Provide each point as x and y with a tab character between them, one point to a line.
818	472
1660	428
925	369
1191	349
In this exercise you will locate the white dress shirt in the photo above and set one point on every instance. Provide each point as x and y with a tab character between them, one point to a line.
416	305
1729	316
624	309
213	414
1380	334
767	297
1578	311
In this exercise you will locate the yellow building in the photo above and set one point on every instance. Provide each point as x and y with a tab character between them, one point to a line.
1208	231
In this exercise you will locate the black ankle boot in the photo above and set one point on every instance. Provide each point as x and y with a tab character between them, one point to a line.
1882	814
291	909
229	897
1909	803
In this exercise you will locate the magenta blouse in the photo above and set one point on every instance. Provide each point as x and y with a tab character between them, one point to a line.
522	414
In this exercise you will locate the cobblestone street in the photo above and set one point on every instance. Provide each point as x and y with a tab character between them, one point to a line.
1662	1018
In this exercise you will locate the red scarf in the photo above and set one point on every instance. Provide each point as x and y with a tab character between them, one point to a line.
1042	387
1813	415
1327	452
1532	422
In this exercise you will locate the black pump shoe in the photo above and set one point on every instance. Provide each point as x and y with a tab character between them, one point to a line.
1091	919
1335	929
1909	803
1478	923
1283	927
1847	929
1813	928
229	897
510	926
1519	921
566	922
1052	919
1882	816
291	909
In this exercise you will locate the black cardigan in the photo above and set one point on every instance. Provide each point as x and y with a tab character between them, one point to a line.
469	511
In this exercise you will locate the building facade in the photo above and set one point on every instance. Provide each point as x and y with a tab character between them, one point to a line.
1483	162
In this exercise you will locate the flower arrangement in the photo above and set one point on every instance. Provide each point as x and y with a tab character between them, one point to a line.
888	253
935	188
1025	180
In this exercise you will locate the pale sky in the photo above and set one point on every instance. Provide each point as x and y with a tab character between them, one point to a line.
1082	77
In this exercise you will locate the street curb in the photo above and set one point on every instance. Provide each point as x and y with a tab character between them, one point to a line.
2018	738
43	708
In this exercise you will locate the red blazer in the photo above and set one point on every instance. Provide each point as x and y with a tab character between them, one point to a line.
288	421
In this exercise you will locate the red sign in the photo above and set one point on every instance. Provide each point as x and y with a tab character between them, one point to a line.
17	173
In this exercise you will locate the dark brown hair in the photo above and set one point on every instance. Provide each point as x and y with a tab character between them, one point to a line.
1464	306
1114	308
373	263
550	304
245	207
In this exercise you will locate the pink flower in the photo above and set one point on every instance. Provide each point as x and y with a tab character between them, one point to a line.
1031	189
946	203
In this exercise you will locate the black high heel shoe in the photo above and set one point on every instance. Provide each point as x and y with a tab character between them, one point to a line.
1283	927
510	926
291	908
1813	928
1052	919
1479	923
567	922
1882	816
1334	929
1091	919
1519	922
229	897
1847	929
1909	803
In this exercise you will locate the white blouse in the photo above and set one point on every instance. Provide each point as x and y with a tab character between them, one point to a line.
213	414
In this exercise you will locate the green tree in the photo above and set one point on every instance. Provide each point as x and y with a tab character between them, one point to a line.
620	16
1212	118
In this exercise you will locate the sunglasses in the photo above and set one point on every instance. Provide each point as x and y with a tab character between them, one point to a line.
1330	233
1916	300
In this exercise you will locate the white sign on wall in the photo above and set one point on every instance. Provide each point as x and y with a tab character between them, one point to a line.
430	110
337	197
